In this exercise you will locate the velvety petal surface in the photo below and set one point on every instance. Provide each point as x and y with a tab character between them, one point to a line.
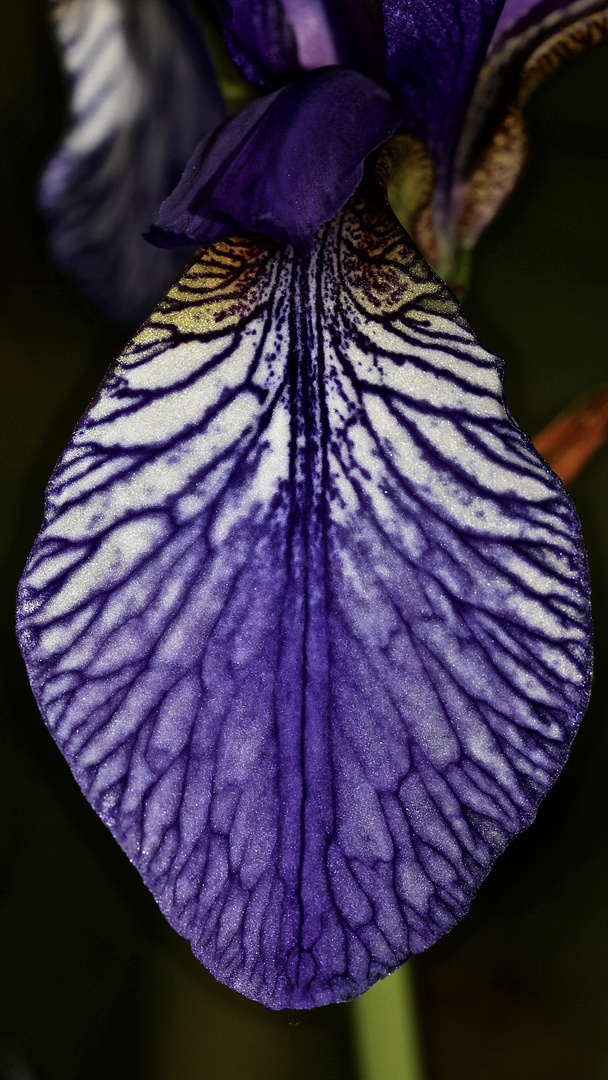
142	93
515	9
308	615
433	54
282	166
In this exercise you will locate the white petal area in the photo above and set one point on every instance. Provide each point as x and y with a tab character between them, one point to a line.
308	616
112	560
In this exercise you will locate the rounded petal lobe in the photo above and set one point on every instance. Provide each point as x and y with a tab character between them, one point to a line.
308	615
141	93
284	165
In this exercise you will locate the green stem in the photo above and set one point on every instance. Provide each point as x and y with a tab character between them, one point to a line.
387	1045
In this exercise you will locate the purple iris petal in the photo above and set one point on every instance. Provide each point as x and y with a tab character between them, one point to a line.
142	92
312	31
433	54
308	615
260	39
271	40
358	35
284	165
346	32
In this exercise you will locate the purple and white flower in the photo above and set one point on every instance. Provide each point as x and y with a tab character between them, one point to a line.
308	615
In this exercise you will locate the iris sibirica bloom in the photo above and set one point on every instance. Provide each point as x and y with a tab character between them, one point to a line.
308	615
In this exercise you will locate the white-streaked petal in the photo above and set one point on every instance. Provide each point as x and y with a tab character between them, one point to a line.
141	94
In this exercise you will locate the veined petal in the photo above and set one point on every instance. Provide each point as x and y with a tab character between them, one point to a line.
433	54
308	615
493	144
282	166
142	93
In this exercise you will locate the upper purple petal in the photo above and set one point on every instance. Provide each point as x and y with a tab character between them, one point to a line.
272	40
260	39
308	615
141	93
433	54
346	32
284	165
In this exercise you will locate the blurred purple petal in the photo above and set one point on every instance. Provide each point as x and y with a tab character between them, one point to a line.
260	39
312	31
142	93
433	54
308	615
346	32
272	40
282	166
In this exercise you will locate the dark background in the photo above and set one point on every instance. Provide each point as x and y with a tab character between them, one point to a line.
93	983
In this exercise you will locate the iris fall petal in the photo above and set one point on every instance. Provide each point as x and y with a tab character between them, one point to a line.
308	615
142	93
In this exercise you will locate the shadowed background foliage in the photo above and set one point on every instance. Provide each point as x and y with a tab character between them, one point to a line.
93	983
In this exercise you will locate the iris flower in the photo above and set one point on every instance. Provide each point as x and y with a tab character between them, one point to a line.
308	615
